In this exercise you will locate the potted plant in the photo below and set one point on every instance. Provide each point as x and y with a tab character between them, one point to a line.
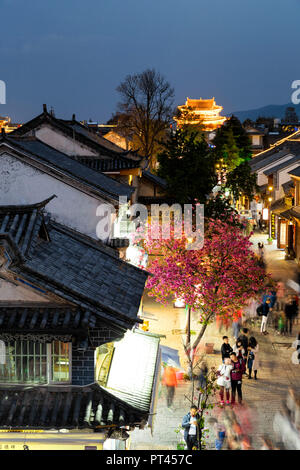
270	241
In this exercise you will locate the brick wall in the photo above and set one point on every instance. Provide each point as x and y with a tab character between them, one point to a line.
83	367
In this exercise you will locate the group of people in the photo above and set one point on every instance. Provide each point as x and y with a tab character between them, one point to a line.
235	362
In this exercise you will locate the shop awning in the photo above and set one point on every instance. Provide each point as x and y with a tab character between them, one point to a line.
134	368
293	212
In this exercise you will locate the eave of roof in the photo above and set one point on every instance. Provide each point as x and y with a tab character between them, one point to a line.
64	406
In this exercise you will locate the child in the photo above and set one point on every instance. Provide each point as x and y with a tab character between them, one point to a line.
224	380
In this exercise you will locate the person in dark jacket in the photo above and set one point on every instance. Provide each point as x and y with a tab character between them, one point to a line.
265	308
244	339
191	428
237	372
226	349
291	311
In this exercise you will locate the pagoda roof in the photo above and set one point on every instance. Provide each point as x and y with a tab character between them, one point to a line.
207	104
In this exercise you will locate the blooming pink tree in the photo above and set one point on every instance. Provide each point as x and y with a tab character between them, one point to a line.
215	280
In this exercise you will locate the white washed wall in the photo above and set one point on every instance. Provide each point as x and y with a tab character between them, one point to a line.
62	142
20	183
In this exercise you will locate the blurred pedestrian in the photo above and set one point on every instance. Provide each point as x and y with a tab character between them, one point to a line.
236	323
253	361
244	338
291	311
170	382
202	377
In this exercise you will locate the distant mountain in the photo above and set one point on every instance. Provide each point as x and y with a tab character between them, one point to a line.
272	110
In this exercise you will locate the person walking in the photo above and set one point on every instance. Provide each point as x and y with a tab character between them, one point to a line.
170	382
291	311
224	380
236	323
226	349
264	309
253	361
190	425
244	339
236	374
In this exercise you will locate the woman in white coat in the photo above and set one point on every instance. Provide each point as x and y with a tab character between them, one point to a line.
224	379
253	357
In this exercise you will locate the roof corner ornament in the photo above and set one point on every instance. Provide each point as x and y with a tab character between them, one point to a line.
74	117
45	109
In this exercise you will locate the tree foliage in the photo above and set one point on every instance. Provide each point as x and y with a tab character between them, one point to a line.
187	164
217	279
241	181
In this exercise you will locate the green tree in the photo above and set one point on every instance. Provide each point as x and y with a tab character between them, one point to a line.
231	131
188	166
241	181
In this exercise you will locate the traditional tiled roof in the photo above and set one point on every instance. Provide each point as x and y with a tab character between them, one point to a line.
288	186
295	172
75	267
64	407
106	164
283	165
155	179
72	129
261	161
21	225
105	186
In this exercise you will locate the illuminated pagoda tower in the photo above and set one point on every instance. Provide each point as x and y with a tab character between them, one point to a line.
200	112
7	125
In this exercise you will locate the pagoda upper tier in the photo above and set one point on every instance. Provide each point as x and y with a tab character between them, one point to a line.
200	112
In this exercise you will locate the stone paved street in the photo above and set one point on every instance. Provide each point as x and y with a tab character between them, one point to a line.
262	398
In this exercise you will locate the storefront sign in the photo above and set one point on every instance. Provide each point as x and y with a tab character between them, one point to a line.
273	226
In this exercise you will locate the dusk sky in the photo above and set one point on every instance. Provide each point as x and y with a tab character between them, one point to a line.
72	54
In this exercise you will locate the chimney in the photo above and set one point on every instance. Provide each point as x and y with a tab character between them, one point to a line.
45	108
73	117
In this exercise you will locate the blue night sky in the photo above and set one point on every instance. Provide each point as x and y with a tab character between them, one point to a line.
72	54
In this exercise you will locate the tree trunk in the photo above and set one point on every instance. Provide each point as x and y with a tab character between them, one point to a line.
201	332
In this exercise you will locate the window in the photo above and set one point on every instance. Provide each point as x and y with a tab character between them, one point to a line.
60	356
36	363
